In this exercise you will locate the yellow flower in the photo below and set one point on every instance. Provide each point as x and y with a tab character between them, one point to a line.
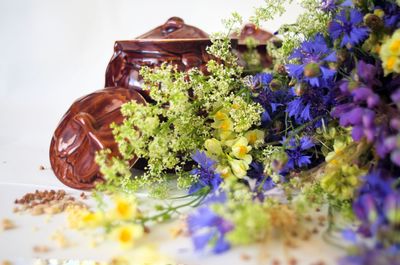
222	121
255	137
213	147
224	171
223	125
125	208
239	167
126	235
390	53
80	218
337	153
240	150
145	255
221	115
92	219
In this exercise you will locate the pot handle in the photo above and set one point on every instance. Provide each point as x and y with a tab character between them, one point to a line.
172	24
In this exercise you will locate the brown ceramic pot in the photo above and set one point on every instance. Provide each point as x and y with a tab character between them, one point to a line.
174	42
84	130
262	37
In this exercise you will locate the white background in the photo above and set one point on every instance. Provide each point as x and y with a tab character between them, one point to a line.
55	51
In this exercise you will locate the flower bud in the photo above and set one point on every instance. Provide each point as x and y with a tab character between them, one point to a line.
275	85
373	22
299	89
312	70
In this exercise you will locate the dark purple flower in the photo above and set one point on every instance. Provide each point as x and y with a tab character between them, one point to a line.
369	205
209	229
332	5
360	86
296	151
391	15
348	26
270	100
258	182
313	57
205	172
391	208
311	103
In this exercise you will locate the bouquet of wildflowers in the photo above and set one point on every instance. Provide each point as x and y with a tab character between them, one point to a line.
321	128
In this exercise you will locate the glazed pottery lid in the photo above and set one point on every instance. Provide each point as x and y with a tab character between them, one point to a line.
251	30
174	28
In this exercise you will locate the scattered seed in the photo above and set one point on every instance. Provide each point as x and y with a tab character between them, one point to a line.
60	239
41	249
315	231
41	167
245	257
292	261
7	224
275	262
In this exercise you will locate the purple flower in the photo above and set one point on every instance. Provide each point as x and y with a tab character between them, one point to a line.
209	229
332	5
391	16
360	86
369	205
296	151
391	208
348	27
313	57
205	172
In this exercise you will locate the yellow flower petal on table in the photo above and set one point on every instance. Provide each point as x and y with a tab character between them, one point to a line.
80	218
145	255
126	235
92	219
125	208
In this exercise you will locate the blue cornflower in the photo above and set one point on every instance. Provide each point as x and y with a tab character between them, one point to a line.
205	172
311	103
209	229
260	81
270	100
296	151
258	182
348	27
332	5
313	57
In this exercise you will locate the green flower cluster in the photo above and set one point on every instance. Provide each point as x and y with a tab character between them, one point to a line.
180	119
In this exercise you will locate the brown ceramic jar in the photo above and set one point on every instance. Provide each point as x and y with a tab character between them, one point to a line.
262	37
84	130
174	42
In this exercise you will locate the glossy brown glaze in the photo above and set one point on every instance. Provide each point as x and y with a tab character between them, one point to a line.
262	37
174	28
84	130
174	42
251	30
